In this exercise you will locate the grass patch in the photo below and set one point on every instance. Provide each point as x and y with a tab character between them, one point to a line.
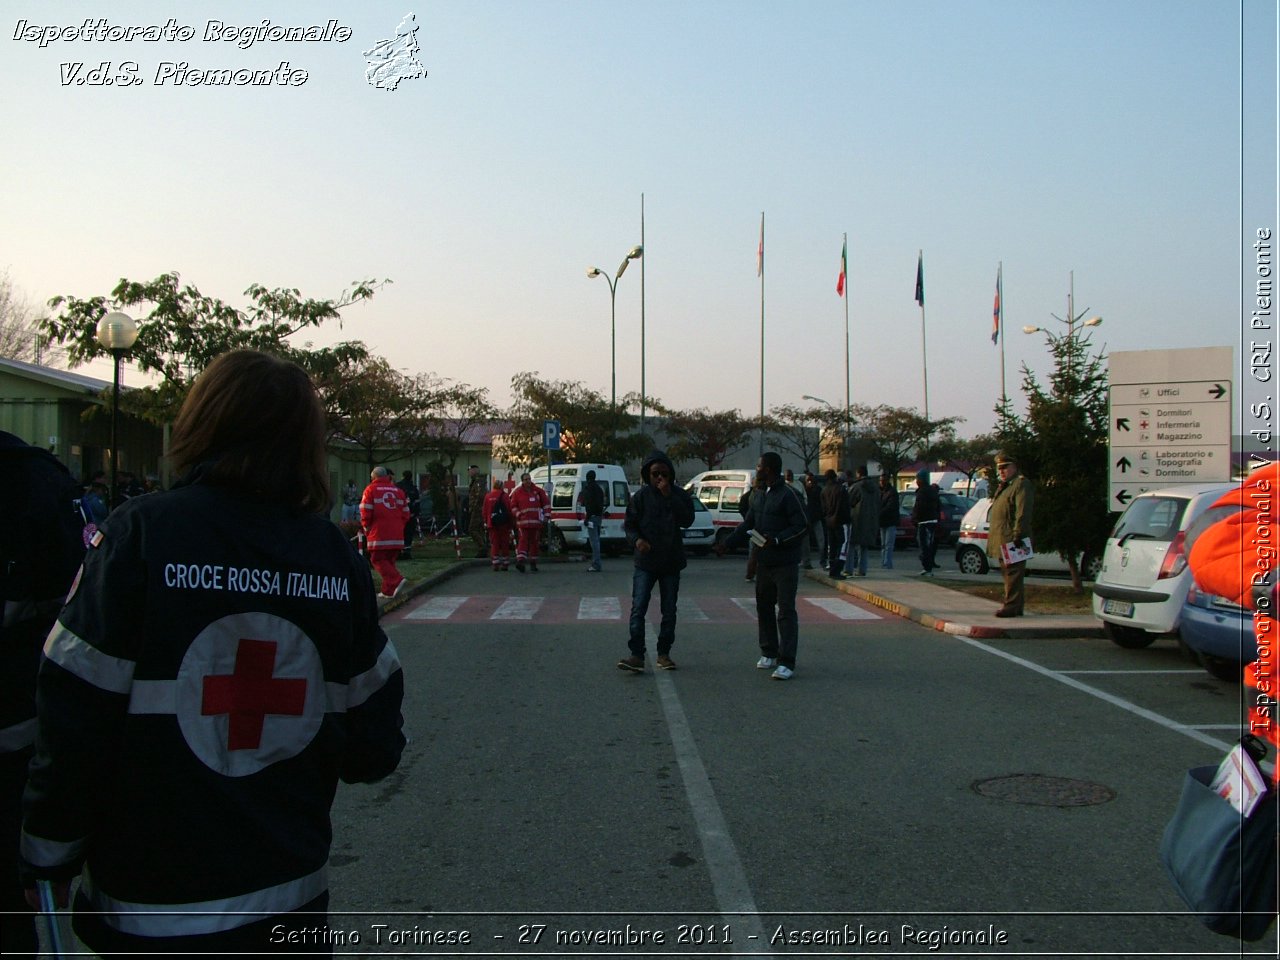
1041	598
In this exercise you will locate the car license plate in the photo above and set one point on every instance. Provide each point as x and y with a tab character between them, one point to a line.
1119	608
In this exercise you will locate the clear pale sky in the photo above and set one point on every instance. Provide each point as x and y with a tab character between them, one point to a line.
1107	138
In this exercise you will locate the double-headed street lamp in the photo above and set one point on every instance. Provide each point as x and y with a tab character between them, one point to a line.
1091	322
635	253
116	333
1072	322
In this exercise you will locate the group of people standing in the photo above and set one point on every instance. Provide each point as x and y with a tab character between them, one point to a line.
518	514
856	514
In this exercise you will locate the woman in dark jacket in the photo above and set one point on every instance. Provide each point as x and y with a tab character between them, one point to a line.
217	668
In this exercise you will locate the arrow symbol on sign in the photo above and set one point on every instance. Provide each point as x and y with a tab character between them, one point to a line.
1122	423
1217	391
1124	464
1123	496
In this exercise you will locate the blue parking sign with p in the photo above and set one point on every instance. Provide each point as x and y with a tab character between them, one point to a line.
551	434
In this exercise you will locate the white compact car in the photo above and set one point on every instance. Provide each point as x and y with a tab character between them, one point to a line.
1139	592
971	548
700	535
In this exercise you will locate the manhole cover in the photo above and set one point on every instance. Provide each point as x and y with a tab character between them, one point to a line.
1042	791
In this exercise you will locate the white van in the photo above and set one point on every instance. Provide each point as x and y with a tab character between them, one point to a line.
720	492
563	487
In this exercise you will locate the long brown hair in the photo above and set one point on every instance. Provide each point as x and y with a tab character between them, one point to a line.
258	421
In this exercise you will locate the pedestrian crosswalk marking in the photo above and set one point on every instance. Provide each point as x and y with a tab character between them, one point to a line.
690	612
517	608
703	609
436	608
599	608
842	609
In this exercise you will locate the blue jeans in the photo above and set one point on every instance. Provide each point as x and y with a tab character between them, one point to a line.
776	611
641	590
927	537
888	536
593	535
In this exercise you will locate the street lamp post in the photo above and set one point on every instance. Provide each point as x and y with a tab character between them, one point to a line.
116	333
635	253
845	439
1073	320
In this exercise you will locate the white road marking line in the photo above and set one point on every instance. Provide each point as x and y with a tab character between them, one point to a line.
748	605
690	611
599	608
1075	672
517	608
728	876
1182	728
842	609
437	608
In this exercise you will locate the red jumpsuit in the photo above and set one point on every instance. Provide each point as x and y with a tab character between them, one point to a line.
384	510
1236	558
529	505
499	533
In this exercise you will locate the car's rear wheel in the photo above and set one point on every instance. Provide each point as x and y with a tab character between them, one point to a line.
1131	638
1090	567
1227	670
556	544
972	560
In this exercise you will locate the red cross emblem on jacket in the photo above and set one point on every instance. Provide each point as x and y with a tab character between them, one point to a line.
252	692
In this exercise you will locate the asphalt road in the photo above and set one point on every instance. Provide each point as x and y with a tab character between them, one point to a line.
907	792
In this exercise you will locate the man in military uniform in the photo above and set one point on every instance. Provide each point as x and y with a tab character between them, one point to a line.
1010	523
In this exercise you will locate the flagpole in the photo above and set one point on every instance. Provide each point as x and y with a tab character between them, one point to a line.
1004	394
847	380
643	395
924	351
762	332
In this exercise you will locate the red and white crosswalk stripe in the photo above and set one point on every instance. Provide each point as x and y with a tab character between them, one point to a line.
472	609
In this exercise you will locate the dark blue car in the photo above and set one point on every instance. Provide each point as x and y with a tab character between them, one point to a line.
1219	632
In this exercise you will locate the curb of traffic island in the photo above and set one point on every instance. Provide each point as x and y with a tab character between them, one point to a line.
387	604
951	627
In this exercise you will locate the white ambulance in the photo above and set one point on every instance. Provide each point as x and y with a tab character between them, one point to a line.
565	483
720	491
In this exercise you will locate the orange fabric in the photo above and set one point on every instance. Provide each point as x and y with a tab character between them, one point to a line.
1229	559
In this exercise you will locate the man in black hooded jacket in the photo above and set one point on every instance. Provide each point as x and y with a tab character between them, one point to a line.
656	516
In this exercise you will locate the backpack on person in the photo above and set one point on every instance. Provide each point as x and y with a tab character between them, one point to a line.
500	516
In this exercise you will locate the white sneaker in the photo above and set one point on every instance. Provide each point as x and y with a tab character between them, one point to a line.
766	663
782	673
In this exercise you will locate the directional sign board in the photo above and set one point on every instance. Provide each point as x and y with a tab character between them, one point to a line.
1170	420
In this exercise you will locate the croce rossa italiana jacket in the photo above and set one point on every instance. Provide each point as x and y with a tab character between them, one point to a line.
217	668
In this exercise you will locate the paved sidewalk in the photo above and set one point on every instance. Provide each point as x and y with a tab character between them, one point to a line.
922	599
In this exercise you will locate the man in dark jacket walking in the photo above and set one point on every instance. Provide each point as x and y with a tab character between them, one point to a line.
776	524
656	516
925	513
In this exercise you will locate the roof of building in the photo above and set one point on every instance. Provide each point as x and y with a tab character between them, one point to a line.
75	382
